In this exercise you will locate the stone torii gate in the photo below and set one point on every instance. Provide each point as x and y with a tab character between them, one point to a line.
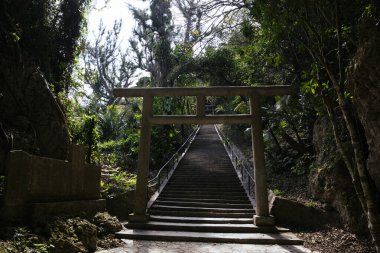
262	217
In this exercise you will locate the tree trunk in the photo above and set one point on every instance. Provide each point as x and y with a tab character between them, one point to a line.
359	163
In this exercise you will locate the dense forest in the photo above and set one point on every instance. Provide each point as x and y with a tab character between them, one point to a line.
56	87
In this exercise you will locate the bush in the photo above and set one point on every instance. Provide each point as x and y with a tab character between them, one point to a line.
117	184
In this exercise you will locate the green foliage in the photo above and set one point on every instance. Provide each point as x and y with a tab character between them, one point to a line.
84	131
118	183
47	32
240	105
278	192
122	151
311	204
40	248
152	42
303	164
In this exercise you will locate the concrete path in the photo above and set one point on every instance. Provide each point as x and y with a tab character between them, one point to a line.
134	246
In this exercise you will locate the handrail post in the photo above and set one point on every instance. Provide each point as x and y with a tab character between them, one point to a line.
262	217
141	199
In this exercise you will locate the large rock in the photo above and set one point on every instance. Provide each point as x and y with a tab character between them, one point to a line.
292	213
121	205
330	180
31	119
107	224
73	235
364	79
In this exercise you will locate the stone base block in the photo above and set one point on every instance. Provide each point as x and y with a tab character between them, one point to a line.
138	218
13	214
122	205
41	211
267	221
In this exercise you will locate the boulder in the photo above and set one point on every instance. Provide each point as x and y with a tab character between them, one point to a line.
107	224
364	82
72	235
292	213
121	205
330	181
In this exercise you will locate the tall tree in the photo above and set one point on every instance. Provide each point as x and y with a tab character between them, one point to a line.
191	11
326	33
107	66
152	45
161	18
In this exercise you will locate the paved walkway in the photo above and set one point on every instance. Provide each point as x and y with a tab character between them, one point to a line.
133	246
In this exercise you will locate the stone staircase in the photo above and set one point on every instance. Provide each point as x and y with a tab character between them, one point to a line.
204	201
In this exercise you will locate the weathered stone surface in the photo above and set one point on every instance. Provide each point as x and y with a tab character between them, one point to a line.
37	187
32	178
30	116
364	79
73	235
186	247
122	205
107	224
85	208
330	180
289	212
264	221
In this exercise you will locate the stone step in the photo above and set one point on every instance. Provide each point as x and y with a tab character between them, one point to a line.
226	198
204	227
210	167
205	200
227	167
200	184
203	190
208	176
201	209
204	166
210	185
203	204
204	182
191	163
202	214
187	180
167	192
254	238
208	220
206	179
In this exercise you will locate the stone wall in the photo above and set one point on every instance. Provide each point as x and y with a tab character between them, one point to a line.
42	186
